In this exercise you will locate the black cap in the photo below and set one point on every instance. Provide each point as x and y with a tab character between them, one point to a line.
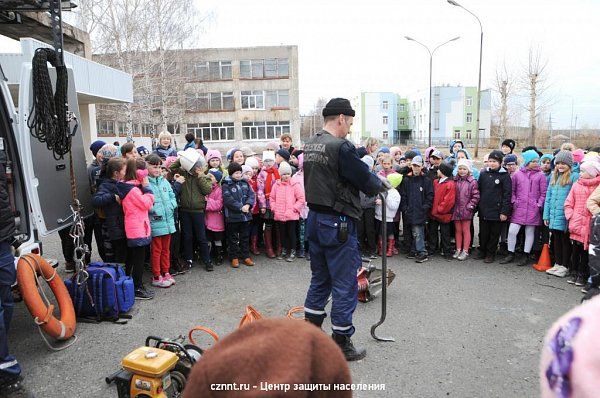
338	106
496	155
509	143
284	154
233	167
532	148
446	169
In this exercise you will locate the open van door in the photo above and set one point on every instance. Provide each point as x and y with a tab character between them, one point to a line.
48	180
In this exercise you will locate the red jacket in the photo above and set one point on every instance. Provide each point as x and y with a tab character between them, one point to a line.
444	195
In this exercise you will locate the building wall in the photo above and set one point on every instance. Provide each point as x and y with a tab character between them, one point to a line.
195	120
379	116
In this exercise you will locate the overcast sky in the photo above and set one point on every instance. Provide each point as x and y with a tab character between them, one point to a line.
349	46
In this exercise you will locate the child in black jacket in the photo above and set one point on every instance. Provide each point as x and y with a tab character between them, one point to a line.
495	188
416	193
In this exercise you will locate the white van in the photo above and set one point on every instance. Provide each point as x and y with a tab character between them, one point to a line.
39	185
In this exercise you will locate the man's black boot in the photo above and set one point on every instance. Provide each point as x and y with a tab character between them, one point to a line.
350	352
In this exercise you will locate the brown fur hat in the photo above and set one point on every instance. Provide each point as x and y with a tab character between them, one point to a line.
277	351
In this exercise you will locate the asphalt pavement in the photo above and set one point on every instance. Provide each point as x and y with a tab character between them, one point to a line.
462	329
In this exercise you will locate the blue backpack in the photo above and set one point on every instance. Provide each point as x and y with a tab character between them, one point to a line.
107	295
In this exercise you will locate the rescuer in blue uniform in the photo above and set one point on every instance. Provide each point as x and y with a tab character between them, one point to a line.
333	177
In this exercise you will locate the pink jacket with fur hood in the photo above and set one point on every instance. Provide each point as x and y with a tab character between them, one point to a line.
215	221
287	200
136	205
576	211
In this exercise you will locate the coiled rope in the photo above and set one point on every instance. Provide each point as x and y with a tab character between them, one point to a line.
49	117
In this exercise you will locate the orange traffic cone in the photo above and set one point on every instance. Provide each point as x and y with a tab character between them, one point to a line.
544	262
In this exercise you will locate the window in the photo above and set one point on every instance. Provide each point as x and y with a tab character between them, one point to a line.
436	121
148	130
456	133
210	70
385	105
401	121
105	128
469	117
468	134
253	99
401	108
385	135
121	129
385	120
277	99
264	130
212	131
469	101
414	120
264	68
201	102
173	129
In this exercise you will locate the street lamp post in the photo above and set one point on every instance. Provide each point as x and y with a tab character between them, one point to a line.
454	3
430	72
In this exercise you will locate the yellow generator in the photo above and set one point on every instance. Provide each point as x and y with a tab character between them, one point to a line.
158	371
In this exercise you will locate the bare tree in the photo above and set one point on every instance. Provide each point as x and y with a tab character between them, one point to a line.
139	37
313	120
536	84
505	86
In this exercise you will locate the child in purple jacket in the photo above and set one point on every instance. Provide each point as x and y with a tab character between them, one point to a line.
528	194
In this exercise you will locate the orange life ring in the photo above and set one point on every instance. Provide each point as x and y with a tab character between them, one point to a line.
28	268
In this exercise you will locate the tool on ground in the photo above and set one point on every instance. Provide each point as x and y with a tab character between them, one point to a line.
159	369
384	272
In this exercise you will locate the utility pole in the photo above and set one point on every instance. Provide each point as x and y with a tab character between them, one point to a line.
550	127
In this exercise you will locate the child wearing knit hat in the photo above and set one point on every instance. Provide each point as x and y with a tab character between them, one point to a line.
444	192
579	217
466	200
495	190
287	199
392	203
215	222
562	179
528	195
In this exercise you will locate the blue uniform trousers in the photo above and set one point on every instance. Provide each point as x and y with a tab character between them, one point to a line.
334	266
9	367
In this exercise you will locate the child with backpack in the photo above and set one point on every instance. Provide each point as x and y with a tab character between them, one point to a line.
107	201
561	182
528	196
192	202
444	197
215	221
162	222
416	191
466	201
579	218
287	199
238	200
137	200
495	189
392	203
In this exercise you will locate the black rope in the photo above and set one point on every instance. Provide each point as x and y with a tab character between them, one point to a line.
48	120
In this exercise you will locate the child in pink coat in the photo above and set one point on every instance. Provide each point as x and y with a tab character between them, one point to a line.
303	242
579	218
137	200
287	200
213	216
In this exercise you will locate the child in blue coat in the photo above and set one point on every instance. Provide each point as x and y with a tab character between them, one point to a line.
162	222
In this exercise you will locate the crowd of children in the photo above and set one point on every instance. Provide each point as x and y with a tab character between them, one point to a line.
170	208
